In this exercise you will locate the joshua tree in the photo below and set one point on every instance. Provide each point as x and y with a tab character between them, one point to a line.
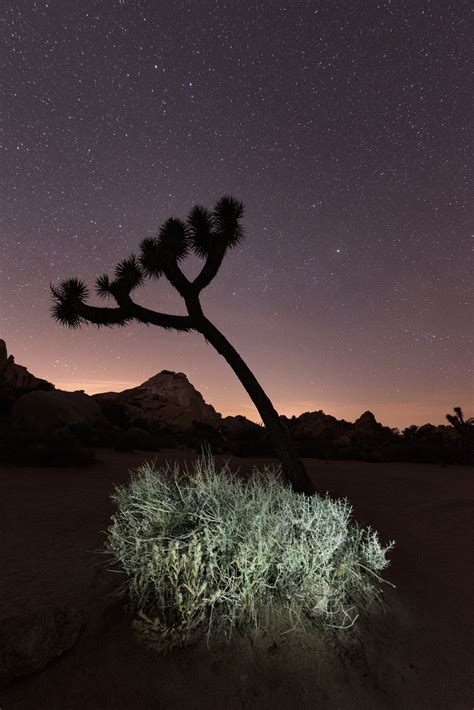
209	235
466	431
456	419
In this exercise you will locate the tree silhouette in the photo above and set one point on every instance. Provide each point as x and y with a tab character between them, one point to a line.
209	234
456	419
466	431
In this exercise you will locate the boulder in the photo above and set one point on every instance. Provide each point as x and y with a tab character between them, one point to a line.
31	640
139	439
44	413
117	409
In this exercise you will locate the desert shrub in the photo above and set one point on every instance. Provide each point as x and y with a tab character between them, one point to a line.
207	551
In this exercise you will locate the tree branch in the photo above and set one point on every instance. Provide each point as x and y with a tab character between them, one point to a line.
164	320
176	277
127	311
210	269
99	315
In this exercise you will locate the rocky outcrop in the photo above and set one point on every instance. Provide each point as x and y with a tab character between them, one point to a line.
368	430
237	424
166	401
367	423
15	380
16	376
117	410
29	641
315	424
44	413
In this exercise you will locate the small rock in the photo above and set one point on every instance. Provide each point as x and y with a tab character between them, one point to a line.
28	642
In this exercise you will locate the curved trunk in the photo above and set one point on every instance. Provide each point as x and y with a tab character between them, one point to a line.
292	465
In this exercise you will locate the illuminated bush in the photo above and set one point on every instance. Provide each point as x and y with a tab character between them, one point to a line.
206	553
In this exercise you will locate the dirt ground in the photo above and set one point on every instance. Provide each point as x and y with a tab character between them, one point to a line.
416	653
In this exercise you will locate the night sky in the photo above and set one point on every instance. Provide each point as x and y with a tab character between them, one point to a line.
343	126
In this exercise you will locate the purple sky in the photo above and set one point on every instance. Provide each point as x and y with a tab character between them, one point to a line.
343	126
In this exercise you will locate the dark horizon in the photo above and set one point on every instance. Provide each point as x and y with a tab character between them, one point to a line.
255	420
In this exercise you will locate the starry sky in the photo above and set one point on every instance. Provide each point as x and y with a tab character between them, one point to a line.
342	125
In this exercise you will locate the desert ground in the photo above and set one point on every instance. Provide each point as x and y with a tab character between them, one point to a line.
416	652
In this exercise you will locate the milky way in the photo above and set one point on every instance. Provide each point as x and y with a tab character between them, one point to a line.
344	129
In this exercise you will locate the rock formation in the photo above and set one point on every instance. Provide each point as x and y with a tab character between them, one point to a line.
44	413
17	376
166	400
316	423
238	423
15	380
368	430
367	423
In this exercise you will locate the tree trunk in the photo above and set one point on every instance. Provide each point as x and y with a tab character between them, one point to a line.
292	465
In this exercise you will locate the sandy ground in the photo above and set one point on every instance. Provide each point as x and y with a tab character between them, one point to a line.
416	653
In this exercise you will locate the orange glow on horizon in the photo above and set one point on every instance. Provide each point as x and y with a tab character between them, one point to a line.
400	414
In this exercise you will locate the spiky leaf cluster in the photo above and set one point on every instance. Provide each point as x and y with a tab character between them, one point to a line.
202	237
173	238
151	258
103	286
129	274
67	296
220	229
171	243
227	214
